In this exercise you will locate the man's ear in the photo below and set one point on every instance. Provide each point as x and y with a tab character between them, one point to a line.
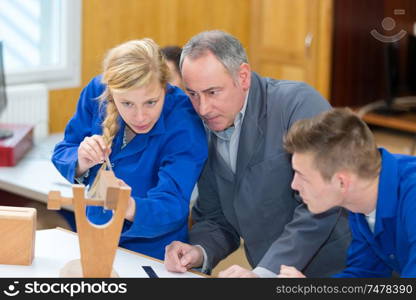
244	76
343	181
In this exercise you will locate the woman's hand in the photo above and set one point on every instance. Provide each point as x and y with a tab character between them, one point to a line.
91	151
131	210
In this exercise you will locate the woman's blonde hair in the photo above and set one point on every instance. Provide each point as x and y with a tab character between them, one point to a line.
128	66
131	65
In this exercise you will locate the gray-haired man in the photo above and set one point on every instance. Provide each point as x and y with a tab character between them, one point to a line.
244	190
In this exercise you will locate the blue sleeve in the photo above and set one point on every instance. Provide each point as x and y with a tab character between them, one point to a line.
65	154
409	208
166	206
362	262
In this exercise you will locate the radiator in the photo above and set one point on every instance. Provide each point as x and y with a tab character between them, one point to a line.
28	104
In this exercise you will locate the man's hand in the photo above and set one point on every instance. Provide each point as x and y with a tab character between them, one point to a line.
290	272
237	272
180	257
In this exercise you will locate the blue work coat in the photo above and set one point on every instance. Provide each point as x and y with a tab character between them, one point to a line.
392	246
161	166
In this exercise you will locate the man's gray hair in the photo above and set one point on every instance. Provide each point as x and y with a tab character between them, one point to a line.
225	47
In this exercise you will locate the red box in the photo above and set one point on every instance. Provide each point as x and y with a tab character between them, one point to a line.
12	149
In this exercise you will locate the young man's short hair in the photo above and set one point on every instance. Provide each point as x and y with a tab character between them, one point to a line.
339	140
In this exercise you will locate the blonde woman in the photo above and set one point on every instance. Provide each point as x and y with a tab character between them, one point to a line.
155	141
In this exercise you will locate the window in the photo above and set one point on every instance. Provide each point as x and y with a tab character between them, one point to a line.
41	41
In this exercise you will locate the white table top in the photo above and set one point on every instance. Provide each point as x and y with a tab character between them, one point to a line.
55	247
35	175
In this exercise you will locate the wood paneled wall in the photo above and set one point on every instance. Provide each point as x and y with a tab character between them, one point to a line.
106	23
292	40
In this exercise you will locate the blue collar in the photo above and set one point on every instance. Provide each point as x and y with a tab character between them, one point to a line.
387	189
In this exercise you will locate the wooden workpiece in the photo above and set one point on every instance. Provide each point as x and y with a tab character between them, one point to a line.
98	243
98	190
96	196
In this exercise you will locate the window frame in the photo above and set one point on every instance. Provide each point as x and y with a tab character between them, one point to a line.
68	72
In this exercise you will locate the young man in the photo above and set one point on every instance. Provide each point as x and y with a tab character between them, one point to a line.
337	163
244	191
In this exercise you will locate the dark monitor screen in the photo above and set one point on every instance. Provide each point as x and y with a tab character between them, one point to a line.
3	97
4	133
411	64
400	81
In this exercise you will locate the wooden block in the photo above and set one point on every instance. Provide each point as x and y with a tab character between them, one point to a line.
109	180
17	235
54	200
111	199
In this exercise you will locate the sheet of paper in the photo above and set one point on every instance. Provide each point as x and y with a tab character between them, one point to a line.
55	247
